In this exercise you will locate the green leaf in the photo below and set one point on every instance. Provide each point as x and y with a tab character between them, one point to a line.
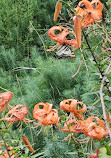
107	98
103	150
69	125
37	155
108	147
68	4
104	156
63	117
72	153
4	130
103	153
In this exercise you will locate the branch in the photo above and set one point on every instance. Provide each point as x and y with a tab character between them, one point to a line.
92	53
102	99
94	58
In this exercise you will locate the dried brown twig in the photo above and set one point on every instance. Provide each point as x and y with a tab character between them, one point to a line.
102	99
77	69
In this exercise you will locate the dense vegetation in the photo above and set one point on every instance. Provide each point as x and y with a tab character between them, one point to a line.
34	75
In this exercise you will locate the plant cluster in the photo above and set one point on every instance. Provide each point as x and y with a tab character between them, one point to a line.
36	78
75	122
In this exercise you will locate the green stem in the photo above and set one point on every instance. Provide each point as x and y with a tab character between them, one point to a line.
98	64
8	131
5	143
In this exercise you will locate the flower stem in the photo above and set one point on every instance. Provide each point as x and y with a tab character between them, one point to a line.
98	64
5	143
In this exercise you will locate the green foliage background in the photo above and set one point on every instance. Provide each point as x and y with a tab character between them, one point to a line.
35	76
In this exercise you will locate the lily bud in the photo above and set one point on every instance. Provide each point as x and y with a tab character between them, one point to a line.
58	8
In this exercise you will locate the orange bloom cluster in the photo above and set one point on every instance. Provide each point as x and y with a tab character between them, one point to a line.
86	13
72	124
89	11
46	115
16	113
75	123
92	126
43	112
6	153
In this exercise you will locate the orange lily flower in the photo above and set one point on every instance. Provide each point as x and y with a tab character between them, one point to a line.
17	113
57	37
47	115
74	126
96	9
70	105
4	99
58	8
82	7
51	118
89	11
94	129
62	36
39	112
